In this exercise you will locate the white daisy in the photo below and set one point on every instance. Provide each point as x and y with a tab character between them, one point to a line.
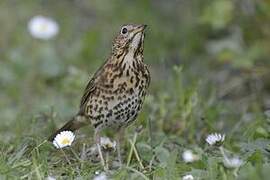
188	156
188	177
101	176
42	27
107	144
232	162
50	178
63	139
215	139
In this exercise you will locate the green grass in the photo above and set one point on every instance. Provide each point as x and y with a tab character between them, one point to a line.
209	63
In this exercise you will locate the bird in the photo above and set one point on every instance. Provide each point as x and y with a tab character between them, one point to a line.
115	94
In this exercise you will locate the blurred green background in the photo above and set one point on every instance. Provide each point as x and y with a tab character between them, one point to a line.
209	62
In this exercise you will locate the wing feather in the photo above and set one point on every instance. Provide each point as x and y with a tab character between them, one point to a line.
91	86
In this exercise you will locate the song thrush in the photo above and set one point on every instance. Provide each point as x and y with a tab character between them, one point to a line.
114	95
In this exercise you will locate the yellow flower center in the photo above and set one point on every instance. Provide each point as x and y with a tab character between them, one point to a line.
65	141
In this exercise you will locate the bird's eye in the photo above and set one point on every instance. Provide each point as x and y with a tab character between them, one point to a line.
124	30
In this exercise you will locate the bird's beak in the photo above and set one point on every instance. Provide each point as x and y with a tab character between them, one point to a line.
140	28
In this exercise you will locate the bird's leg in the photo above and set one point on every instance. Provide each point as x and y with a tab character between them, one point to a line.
119	139
97	141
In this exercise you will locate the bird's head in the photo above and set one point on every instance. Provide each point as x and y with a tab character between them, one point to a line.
130	38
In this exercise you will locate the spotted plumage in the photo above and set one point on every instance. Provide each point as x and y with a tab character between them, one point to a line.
118	92
114	95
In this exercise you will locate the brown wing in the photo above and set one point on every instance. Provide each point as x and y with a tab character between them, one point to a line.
91	86
88	90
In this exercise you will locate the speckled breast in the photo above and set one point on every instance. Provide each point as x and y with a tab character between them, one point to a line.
118	104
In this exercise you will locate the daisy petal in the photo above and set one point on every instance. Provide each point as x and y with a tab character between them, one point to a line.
63	139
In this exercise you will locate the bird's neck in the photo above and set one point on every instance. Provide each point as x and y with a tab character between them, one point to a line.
127	59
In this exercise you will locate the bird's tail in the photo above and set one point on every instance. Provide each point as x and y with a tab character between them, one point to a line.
75	123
